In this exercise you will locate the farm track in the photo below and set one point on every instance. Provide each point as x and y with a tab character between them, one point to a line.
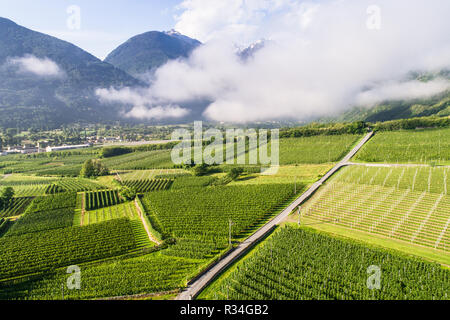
141	216
83	207
198	285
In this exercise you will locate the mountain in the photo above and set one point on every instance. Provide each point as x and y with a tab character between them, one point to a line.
46	82
249	51
148	51
437	105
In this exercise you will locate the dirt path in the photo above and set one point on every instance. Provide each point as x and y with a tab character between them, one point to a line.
141	216
83	206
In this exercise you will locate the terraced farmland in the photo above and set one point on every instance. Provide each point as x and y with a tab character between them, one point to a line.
408	204
414	146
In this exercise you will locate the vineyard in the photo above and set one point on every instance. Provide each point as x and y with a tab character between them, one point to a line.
140	161
150	174
419	146
148	273
143	186
317	149
46	250
16	207
409	204
294	264
193	212
123	210
100	199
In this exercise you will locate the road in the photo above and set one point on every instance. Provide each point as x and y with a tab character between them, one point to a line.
199	284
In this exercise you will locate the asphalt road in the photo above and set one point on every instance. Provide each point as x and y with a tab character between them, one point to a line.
199	284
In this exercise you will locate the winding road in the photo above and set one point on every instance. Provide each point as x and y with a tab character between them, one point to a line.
201	282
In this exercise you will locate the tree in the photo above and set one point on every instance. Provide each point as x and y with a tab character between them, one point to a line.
235	173
127	193
93	168
87	170
201	169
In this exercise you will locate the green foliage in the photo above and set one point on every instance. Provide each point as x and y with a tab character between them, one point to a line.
127	193
201	169
93	168
109	152
294	264
235	173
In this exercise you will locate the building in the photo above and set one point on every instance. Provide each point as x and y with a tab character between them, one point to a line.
62	148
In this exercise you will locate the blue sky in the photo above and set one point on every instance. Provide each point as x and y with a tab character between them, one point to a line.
104	23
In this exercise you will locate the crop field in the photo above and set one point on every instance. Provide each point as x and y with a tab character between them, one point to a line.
149	185
150	174
294	263
409	146
194	212
61	164
16	207
305	173
100	199
408	204
317	149
123	210
143	274
39	251
141	160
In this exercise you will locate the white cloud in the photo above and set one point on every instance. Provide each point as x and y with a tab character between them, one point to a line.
143	107
36	66
157	113
402	90
321	61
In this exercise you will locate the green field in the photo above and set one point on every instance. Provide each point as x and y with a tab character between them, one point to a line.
302	264
316	149
205	212
408	146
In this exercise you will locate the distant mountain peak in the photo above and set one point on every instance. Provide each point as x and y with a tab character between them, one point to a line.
173	32
249	51
148	51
